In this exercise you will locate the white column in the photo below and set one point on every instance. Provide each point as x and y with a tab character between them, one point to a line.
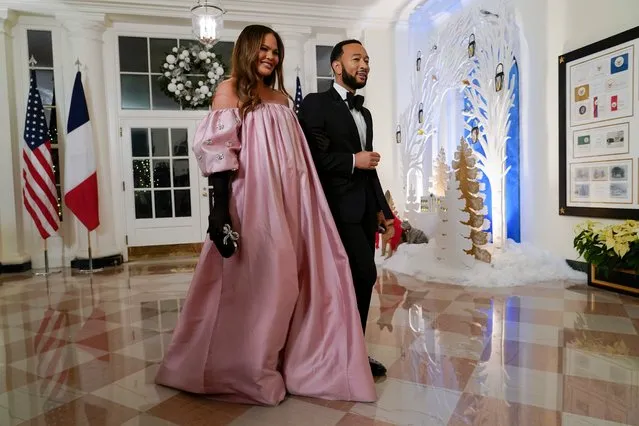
404	66
85	35
380	97
294	39
12	254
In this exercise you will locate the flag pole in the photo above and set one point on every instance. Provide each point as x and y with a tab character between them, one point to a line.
46	258
91	270
90	254
47	271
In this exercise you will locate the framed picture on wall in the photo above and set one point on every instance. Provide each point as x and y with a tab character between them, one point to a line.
599	129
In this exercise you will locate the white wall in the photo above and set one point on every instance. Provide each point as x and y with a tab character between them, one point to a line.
550	28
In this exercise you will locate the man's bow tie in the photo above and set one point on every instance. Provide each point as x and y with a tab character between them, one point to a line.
354	101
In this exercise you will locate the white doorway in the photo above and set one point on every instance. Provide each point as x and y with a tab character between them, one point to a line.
166	197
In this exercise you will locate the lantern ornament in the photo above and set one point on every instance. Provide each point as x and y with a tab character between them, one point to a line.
474	134
418	62
207	21
471	46
420	114
499	77
398	134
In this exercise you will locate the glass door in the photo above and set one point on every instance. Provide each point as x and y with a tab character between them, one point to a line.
162	183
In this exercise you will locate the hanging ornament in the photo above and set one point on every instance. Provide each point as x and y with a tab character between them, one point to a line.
398	134
474	134
499	77
471	46
420	114
418	62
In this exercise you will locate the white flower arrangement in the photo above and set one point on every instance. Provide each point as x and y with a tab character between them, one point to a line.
180	68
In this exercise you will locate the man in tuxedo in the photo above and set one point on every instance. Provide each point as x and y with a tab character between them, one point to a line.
339	131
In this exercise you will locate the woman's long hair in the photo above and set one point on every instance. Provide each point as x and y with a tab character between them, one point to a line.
245	57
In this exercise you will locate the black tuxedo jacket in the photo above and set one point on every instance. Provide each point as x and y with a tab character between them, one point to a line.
333	138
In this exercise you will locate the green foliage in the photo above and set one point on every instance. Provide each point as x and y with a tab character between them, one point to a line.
610	247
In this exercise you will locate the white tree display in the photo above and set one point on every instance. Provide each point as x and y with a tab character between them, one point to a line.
444	67
441	172
412	147
452	242
474	51
491	96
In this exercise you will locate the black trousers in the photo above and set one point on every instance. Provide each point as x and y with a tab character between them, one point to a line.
359	241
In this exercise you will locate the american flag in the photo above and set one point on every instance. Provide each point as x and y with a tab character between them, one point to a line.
298	95
39	192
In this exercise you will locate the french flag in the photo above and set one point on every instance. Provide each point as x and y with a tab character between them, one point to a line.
80	177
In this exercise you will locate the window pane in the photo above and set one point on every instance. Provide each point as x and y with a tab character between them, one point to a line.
40	47
139	143
181	173
324	84
224	52
161	174
160	142
323	58
187	42
52	122
182	203
58	190
44	78
135	91
160	100
141	174
55	159
163	204
160	47
180	142
134	56
143	209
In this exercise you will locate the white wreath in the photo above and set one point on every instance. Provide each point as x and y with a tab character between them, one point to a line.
194	61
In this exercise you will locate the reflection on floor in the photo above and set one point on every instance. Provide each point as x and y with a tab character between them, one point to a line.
83	351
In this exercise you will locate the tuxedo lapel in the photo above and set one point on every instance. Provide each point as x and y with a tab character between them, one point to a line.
342	107
369	129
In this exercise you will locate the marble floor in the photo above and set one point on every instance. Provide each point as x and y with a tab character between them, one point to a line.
83	350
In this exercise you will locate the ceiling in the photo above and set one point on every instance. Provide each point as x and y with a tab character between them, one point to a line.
333	13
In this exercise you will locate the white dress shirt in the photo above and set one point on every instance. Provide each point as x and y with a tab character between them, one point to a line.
357	116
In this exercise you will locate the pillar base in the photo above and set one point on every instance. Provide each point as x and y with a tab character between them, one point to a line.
15	268
82	264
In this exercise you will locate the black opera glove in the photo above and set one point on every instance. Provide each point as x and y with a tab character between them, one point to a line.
220	225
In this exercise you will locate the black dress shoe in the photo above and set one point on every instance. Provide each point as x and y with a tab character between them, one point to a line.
377	368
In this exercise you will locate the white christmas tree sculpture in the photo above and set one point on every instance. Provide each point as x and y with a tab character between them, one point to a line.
412	147
491	96
441	171
443	67
451	240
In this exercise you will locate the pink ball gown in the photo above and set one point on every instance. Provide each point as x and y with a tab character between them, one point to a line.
281	314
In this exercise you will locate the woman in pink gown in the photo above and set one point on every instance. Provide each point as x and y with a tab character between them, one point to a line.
271	307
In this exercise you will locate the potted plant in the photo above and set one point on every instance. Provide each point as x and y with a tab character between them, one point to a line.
612	253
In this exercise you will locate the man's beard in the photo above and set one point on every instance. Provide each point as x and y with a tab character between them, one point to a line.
351	81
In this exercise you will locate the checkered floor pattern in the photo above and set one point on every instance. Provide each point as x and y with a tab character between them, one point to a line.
77	349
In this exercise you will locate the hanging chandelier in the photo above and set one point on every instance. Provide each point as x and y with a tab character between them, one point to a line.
207	22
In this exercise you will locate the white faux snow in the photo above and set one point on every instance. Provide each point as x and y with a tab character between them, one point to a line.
517	265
